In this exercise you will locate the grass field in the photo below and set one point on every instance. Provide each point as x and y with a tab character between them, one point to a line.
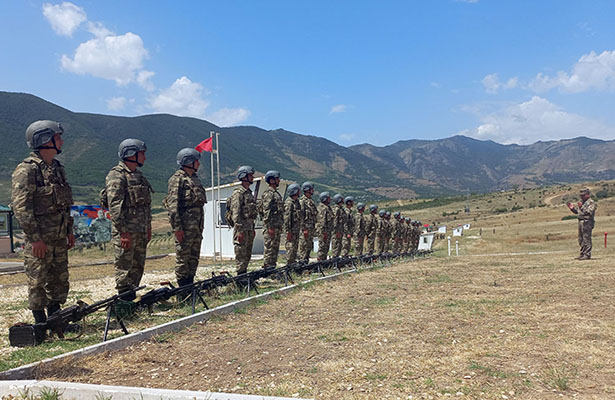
513	316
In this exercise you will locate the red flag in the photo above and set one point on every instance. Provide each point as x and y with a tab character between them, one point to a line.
205	145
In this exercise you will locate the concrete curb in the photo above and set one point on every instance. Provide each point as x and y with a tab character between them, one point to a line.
28	371
84	391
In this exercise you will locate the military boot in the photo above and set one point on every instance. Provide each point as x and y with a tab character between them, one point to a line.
39	316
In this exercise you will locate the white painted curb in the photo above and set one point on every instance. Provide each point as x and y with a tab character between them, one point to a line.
69	390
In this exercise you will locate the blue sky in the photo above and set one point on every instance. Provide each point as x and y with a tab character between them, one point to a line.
351	71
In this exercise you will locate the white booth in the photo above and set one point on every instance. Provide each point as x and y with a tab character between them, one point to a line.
426	241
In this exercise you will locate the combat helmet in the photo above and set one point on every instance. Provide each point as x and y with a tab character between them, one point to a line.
338	198
41	132
373	207
396	214
348	199
324	196
130	147
293	189
244	171
307	186
382	213
187	156
360	206
273	174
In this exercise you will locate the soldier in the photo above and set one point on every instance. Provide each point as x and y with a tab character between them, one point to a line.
184	203
339	225
309	214
127	194
371	228
407	234
387	231
396	232
417	235
41	200
380	232
324	225
585	213
292	222
349	230
241	215
271	208
359	230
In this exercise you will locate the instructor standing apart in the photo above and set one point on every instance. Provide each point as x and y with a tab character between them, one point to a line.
585	213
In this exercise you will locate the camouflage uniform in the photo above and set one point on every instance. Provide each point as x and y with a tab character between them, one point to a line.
371	228
395	235
350	226
380	235
272	210
101	227
360	224
309	213
417	237
243	213
41	200
585	214
129	199
324	227
292	225
184	202
387	235
339	228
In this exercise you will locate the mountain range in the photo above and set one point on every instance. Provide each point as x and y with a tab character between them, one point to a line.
404	169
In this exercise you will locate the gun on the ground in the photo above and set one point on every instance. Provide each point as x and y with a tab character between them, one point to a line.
22	335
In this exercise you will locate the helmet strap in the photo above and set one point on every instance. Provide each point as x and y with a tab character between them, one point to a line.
133	162
54	147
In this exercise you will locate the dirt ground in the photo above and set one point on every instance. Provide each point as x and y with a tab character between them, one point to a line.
514	316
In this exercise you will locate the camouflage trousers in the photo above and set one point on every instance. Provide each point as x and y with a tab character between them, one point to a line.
306	245
272	247
585	238
323	247
387	243
291	248
371	243
129	263
243	249
358	245
48	276
187	253
346	244
396	245
336	245
380	245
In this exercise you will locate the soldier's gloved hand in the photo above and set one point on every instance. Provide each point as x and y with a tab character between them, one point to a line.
239	237
348	236
324	236
306	233
289	236
271	231
70	241
580	204
338	235
125	240
39	249
179	235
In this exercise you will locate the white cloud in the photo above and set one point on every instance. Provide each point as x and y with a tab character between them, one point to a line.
533	120
116	103
228	116
118	58
98	29
492	83
183	98
144	80
592	71
346	137
64	18
338	108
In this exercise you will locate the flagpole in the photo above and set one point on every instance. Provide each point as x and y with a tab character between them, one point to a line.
218	208
213	225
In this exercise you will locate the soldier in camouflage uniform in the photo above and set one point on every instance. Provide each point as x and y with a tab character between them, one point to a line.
396	233
585	214
324	225
407	234
128	197
41	200
350	226
184	203
339	225
271	208
371	228
292	222
387	231
241	215
308	225
381	232
359	230
417	235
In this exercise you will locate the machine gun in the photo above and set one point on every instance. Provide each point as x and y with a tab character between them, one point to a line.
22	335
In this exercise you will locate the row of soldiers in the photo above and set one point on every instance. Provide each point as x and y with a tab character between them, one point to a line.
42	197
336	227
